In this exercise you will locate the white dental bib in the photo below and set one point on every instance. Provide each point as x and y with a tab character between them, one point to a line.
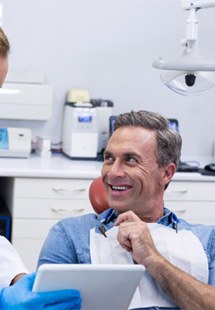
182	249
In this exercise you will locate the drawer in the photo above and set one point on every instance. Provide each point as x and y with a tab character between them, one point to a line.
51	188
50	208
194	212
31	229
190	191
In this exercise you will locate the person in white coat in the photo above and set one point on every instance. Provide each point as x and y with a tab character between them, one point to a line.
15	281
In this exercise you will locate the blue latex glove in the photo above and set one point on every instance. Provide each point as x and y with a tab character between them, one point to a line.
20	297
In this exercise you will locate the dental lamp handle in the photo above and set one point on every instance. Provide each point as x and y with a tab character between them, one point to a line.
197	4
192	29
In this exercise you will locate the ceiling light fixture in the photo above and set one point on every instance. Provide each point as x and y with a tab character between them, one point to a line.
191	73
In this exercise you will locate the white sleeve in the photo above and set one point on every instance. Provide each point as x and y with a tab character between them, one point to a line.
10	262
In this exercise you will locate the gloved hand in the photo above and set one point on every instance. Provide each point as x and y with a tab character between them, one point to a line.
20	297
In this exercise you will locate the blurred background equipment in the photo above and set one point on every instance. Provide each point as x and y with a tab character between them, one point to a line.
80	128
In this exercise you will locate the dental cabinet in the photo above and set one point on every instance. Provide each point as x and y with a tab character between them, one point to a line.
39	192
38	204
192	197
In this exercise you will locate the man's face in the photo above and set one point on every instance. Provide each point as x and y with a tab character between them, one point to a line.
3	69
131	175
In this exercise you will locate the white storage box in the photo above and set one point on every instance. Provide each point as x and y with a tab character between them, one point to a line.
26	101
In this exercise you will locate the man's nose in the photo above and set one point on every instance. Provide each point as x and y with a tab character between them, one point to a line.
117	169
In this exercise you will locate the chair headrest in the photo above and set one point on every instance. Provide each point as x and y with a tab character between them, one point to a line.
97	196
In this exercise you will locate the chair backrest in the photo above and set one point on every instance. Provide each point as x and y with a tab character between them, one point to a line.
97	195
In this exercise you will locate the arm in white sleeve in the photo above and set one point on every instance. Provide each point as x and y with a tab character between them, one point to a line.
10	263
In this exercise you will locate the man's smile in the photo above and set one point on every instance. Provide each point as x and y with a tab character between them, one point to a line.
119	187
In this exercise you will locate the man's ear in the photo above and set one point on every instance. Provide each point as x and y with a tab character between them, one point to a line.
168	173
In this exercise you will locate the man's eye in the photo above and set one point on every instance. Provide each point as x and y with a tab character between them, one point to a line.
130	159
108	158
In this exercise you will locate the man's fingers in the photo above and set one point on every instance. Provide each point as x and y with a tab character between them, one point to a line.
127	217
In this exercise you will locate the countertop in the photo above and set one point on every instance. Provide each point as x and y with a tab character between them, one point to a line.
58	166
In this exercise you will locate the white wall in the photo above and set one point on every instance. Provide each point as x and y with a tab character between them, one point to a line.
107	47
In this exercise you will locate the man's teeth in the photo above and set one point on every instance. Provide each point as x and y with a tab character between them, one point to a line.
119	188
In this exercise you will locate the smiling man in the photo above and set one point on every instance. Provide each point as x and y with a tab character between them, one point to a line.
140	160
139	181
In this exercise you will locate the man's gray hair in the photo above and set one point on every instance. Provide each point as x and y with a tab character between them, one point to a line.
169	141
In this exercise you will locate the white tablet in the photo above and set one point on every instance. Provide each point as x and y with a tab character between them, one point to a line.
102	287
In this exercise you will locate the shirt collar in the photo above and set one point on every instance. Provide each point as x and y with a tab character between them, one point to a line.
168	218
107	216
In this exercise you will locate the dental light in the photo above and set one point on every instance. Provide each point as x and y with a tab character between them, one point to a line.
191	73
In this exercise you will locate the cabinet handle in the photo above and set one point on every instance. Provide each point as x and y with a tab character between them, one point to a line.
177	192
67	211
68	191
